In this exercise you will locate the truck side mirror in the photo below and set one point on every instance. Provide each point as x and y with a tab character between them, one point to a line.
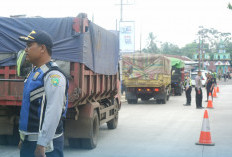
23	66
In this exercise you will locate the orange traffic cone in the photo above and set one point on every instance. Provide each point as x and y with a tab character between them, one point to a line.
205	136
210	102
214	92
217	89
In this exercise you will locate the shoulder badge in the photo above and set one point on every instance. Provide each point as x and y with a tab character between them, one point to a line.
36	75
55	80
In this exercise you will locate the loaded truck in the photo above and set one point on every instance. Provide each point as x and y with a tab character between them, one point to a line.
87	53
146	76
177	78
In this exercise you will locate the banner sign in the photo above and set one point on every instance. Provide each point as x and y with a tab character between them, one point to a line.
127	37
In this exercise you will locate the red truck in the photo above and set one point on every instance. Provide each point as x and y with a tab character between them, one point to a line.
93	82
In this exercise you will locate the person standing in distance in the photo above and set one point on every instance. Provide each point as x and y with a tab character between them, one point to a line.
198	91
45	100
188	89
210	86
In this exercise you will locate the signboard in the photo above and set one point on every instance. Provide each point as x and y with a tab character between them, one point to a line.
127	37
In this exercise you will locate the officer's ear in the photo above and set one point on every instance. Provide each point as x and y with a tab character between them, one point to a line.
43	49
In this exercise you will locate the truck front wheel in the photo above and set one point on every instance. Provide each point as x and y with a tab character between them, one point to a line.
90	143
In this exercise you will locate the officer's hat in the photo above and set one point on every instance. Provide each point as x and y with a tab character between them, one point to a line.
38	36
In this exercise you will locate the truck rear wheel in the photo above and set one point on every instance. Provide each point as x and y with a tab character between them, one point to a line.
112	124
13	139
158	101
3	140
74	142
164	101
132	101
90	143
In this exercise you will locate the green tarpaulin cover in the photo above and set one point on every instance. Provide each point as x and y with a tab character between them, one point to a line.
178	63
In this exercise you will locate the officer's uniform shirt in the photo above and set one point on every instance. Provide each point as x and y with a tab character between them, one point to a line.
188	82
210	83
54	87
198	82
55	84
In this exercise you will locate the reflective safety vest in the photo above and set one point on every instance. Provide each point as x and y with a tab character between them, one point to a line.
34	99
214	75
186	81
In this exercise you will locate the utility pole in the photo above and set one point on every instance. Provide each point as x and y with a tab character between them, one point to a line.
199	55
203	54
121	8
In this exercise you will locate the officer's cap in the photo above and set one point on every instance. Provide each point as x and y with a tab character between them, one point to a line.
38	36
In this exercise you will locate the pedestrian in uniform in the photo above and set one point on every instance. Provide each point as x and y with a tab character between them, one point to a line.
215	77
198	89
207	79
44	101
210	86
188	90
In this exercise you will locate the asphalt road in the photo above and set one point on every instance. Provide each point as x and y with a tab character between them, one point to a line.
148	129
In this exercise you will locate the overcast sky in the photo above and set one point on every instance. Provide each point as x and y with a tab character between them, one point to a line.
174	21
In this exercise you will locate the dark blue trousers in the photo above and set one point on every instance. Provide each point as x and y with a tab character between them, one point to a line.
28	148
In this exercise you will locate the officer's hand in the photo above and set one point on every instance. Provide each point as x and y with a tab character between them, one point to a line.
199	91
40	151
20	144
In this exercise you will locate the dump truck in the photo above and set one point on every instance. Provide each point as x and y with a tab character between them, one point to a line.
146	76
88	55
177	78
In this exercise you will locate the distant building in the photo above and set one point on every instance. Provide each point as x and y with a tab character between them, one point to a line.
190	64
218	61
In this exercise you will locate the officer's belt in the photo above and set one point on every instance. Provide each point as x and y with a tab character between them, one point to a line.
34	137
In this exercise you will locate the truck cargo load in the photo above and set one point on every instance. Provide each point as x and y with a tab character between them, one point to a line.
146	76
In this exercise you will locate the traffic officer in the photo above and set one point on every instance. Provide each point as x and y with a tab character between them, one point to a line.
198	91
209	86
44	101
215	77
188	89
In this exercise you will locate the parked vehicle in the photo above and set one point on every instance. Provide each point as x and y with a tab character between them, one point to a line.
177	78
203	77
146	76
87	53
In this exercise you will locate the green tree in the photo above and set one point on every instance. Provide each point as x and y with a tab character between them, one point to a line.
212	37
151	45
169	48
230	6
189	49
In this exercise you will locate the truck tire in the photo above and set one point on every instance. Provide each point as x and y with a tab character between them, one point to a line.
168	95
3	140
158	101
90	143
112	124
13	139
74	142
135	101
132	101
164	101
